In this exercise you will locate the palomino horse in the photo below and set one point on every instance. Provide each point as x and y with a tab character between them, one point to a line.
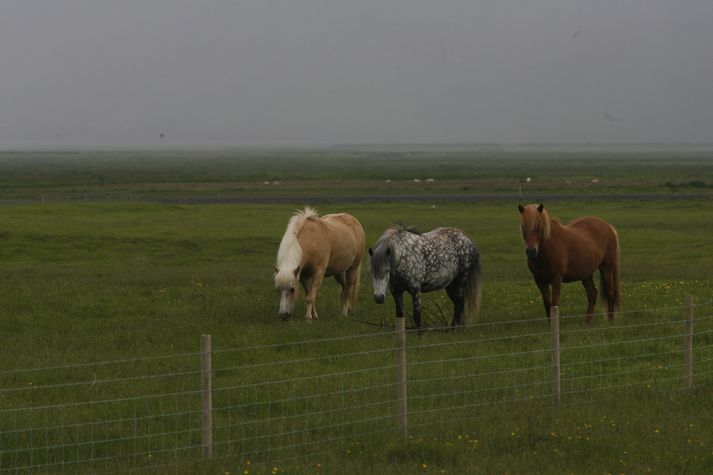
405	260
559	253
313	248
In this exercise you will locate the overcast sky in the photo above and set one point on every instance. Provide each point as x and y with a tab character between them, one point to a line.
314	72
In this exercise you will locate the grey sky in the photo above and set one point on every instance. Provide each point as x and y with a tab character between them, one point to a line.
311	72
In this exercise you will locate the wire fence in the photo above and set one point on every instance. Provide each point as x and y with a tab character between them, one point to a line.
298	400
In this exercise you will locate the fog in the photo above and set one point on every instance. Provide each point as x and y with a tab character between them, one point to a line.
152	73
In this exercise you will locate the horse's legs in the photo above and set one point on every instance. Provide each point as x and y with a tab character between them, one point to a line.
352	282
315	282
591	290
341	277
609	288
556	287
456	294
416	296
546	300
399	301
306	282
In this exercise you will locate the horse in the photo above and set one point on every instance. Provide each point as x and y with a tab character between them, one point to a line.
313	248
558	253
405	260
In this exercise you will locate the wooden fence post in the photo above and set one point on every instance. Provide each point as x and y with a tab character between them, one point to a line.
206	398
688	337
402	411
555	350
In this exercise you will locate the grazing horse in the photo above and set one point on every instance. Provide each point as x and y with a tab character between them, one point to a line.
313	248
405	260
559	253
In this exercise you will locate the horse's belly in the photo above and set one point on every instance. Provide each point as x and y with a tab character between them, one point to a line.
582	268
340	262
436	283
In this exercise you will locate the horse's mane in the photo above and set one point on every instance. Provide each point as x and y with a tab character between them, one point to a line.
544	222
289	254
396	228
401	227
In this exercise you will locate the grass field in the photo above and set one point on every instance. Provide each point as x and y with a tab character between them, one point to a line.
102	176
95	267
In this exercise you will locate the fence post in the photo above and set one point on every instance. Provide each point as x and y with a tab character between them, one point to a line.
206	398
555	350
688	337
402	412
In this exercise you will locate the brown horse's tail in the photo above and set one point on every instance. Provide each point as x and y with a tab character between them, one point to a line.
473	290
612	266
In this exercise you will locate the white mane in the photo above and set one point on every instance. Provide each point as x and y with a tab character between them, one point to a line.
289	255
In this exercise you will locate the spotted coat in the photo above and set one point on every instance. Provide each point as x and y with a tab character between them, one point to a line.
430	261
405	260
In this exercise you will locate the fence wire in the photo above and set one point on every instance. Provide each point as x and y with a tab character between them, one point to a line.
288	402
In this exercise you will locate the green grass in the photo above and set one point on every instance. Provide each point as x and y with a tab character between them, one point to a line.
90	282
141	175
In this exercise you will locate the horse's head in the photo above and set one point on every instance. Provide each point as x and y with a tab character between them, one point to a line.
380	269
535	228
287	285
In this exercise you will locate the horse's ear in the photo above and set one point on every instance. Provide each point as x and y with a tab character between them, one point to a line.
540	208
277	270
371	252
521	208
297	271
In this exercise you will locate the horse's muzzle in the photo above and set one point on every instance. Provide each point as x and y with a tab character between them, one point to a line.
285	316
379	298
531	252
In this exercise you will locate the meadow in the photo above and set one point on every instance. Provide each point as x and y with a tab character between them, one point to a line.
101	260
334	173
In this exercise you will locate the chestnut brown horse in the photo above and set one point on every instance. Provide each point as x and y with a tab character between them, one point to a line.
559	253
313	248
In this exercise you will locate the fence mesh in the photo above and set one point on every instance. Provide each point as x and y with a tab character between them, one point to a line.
296	400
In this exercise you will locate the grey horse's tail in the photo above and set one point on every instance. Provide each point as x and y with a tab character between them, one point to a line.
473	290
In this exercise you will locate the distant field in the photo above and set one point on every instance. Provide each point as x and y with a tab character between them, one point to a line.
94	267
333	173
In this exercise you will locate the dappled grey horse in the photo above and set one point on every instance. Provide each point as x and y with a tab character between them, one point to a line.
445	258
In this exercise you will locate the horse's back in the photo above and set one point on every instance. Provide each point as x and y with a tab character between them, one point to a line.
448	252
335	242
343	218
344	225
589	242
592	228
451	240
